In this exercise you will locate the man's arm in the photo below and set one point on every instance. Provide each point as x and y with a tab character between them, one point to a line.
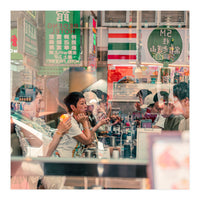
54	143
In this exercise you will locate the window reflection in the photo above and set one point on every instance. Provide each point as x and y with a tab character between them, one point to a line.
126	76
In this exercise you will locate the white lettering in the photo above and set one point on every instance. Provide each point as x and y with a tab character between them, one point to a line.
169	33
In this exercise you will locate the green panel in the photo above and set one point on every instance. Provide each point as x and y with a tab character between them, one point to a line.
62	37
165	45
122	46
30	39
13	46
50	70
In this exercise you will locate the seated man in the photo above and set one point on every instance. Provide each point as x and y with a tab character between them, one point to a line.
142	94
149	106
181	91
166	110
160	120
172	121
31	144
96	114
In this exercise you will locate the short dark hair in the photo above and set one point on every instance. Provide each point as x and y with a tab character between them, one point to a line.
28	90
100	94
181	90
143	93
72	99
162	93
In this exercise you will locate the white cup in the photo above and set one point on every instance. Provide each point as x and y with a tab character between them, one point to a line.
115	154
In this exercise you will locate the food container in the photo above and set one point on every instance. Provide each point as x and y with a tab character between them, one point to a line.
112	141
115	153
64	117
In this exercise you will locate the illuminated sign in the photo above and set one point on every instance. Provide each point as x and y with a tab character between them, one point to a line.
92	35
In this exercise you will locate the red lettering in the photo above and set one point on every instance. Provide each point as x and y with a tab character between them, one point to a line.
71	26
14	40
66	31
49	25
55	25
65	26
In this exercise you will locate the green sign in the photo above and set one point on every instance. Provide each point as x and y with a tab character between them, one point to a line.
62	37
30	39
13	49
165	45
50	70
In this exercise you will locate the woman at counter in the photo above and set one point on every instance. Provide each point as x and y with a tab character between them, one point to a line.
72	144
81	133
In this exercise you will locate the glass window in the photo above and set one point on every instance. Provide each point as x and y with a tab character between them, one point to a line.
133	16
121	80
102	55
148	16
174	16
115	16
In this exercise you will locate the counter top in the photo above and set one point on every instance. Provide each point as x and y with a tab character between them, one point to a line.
127	168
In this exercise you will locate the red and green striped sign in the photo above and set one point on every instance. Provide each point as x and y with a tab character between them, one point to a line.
121	46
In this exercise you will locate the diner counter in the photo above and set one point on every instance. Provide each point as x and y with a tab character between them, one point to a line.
89	167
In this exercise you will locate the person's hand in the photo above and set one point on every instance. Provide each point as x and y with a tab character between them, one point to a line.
104	121
63	127
81	118
137	106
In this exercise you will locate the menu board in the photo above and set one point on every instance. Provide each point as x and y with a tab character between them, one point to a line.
62	37
30	46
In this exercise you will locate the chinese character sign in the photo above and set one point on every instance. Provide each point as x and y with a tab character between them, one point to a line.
62	37
13	47
30	39
165	44
92	36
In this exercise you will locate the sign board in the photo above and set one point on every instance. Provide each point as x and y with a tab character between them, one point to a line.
92	35
32	13
13	46
62	37
30	44
165	45
122	46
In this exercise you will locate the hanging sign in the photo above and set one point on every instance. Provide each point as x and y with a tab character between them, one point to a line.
30	45
14	44
92	35
165	45
62	37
